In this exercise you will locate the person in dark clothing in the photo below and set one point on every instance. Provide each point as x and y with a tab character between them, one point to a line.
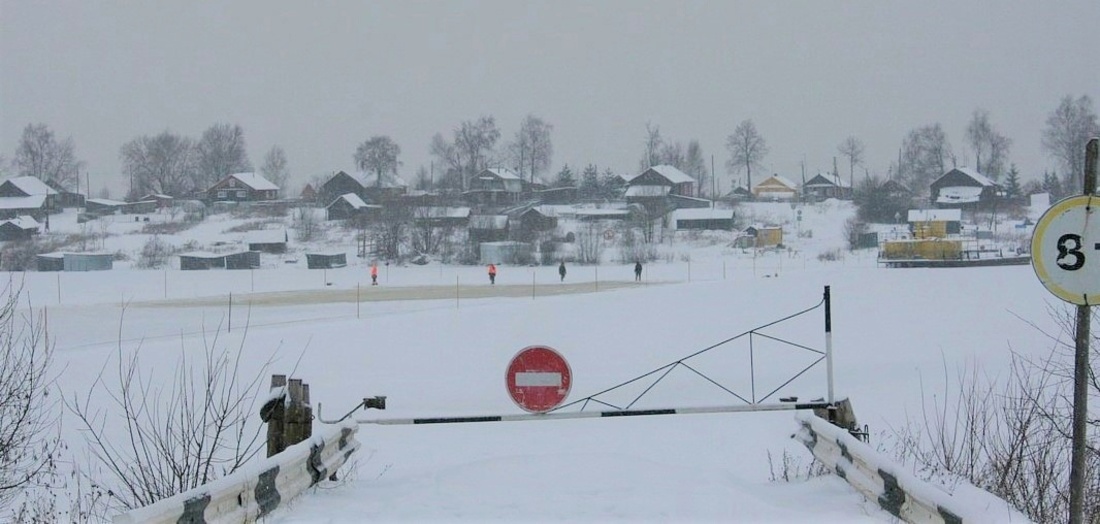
561	270
638	271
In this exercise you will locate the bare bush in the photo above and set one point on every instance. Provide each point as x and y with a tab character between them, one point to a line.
305	224
634	248
175	436
154	254
589	244
791	468
1012	438
853	228
165	228
29	417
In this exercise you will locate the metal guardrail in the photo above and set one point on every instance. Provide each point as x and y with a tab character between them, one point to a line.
254	492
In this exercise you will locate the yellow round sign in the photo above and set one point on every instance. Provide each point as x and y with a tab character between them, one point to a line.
1065	250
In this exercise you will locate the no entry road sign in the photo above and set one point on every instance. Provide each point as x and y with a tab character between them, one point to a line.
538	379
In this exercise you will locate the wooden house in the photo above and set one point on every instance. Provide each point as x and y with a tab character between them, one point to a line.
160	201
200	260
497	179
103	206
242	187
18	228
737	194
88	261
29	186
308	194
15	206
488	228
775	187
677	182
369	186
824	186
963	187
66	198
441	216
351	206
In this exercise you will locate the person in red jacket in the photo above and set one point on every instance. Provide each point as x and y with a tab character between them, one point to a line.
492	274
374	273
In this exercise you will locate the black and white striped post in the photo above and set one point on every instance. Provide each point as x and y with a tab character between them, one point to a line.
829	342
617	413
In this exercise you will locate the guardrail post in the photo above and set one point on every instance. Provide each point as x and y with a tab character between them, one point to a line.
299	415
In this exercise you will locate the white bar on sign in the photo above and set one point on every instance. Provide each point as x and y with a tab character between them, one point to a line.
538	378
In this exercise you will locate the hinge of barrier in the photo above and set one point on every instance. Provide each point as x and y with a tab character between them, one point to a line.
376	402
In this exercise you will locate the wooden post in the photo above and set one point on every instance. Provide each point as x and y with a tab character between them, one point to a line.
295	413
274	413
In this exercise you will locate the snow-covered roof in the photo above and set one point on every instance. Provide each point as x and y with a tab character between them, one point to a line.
255	181
352	199
777	178
595	213
504	173
672	174
647	191
978	177
201	254
489	222
935	215
959	195
702	213
157	196
266	236
105	202
442	212
827	180
23	222
32	185
27	202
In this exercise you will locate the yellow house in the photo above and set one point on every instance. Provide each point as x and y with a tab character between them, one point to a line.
775	187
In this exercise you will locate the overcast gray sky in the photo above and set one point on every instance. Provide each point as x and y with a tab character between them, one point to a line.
317	78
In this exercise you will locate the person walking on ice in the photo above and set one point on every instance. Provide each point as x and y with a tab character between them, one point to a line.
374	273
638	271
561	270
492	274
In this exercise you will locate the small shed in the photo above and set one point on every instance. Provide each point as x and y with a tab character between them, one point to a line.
326	260
88	261
704	218
535	220
267	240
488	228
102	206
506	252
765	236
935	223
50	262
243	260
18	228
350	205
201	260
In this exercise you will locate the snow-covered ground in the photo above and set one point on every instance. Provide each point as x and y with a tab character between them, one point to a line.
897	332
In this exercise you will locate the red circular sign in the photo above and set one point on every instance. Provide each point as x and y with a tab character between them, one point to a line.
538	379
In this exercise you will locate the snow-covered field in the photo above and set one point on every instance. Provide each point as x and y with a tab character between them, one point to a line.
897	333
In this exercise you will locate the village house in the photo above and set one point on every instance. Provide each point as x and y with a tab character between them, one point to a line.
963	187
242	187
775	187
824	186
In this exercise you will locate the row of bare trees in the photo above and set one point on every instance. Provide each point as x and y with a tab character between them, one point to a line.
173	164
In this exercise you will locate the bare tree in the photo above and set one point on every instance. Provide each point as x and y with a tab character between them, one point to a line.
987	143
220	152
450	160
29	445
532	149
852	149
925	152
179	435
475	142
1069	128
653	144
42	156
378	155
427	232
423	179
695	165
158	164
391	230
747	148
275	167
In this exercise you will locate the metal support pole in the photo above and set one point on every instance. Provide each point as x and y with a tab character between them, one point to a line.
1080	373
829	342
230	330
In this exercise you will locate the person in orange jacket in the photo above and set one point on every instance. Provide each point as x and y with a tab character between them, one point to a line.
374	273
492	274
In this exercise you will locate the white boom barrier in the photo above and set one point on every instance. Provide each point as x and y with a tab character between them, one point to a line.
254	492
896	491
